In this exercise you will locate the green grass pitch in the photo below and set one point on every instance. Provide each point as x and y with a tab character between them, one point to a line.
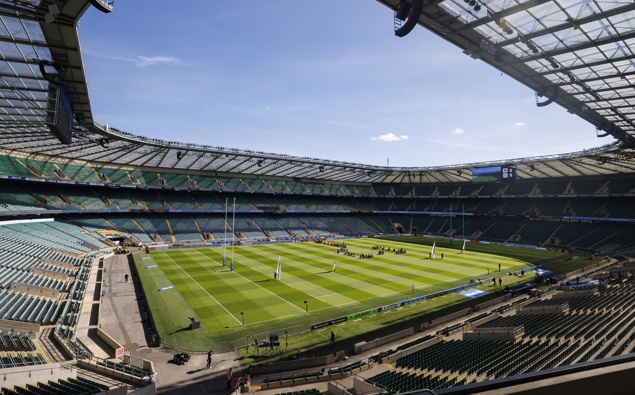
218	296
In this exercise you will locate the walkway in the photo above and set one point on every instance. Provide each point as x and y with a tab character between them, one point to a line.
122	316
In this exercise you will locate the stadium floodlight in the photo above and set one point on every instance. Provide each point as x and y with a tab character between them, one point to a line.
414	12
403	11
104	6
550	92
51	16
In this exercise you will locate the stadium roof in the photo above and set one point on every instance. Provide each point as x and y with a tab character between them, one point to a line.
574	54
577	53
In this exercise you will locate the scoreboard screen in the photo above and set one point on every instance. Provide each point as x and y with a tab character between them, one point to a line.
502	174
60	118
508	173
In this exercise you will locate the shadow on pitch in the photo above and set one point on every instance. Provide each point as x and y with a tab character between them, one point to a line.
187	328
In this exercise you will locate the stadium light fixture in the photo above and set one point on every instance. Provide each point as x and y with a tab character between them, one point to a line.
502	24
403	10
411	19
553	92
598	130
51	16
104	6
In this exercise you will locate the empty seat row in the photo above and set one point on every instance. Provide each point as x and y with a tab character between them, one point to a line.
70	386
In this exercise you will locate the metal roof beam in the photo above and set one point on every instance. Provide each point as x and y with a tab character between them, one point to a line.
11	12
607	100
506	12
590	64
594	79
568	25
587	45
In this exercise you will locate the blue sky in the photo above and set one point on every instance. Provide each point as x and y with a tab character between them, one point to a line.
323	79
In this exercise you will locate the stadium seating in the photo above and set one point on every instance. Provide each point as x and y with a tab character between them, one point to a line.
292	376
70	386
313	391
595	326
188	193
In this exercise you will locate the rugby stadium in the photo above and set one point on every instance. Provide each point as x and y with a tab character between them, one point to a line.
132	264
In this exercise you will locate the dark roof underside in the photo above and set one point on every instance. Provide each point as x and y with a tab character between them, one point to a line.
576	54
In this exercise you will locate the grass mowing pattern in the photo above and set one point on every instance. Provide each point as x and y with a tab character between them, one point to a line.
218	296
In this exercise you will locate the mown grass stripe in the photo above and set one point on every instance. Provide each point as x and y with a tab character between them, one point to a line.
247	281
254	270
204	290
307	274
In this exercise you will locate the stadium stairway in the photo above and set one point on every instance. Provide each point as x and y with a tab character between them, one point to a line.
50	346
86	329
108	381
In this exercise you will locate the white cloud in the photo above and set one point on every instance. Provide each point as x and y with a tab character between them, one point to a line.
458	131
390	137
520	124
139	61
145	61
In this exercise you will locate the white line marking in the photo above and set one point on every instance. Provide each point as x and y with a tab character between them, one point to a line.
210	295
277	318
251	282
